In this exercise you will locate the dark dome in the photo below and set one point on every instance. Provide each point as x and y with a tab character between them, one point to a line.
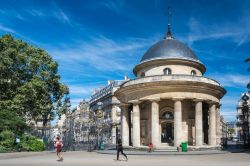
169	49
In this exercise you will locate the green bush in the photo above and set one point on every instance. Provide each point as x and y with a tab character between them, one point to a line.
4	149
7	139
31	143
27	143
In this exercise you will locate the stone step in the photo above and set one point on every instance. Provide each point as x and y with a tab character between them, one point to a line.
165	150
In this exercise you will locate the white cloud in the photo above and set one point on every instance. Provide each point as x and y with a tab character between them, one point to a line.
232	31
60	14
7	29
81	92
44	14
35	12
231	80
231	100
23	14
114	5
12	13
229	115
75	102
81	89
101	53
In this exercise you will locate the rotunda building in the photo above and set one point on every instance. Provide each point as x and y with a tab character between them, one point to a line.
170	101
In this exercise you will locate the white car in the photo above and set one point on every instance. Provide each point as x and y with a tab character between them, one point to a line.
235	139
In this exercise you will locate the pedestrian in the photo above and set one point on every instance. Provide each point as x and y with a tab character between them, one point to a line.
58	145
150	147
120	149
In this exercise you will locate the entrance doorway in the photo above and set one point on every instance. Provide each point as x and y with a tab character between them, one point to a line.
167	132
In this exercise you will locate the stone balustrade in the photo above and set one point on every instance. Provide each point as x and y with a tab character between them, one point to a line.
171	78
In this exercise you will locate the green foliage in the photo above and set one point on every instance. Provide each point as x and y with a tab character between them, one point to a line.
30	143
231	131
30	85
9	120
64	107
7	139
27	143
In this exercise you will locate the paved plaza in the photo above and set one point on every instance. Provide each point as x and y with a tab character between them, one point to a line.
95	159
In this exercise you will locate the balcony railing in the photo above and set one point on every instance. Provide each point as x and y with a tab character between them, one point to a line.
171	78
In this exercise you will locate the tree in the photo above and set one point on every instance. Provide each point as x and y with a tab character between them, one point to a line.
231	131
65	106
9	120
30	86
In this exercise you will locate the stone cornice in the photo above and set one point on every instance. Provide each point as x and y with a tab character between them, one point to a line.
172	86
178	98
196	100
157	99
135	102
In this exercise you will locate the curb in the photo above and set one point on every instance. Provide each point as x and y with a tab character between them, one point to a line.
162	153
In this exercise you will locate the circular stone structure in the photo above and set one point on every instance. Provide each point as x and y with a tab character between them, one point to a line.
170	101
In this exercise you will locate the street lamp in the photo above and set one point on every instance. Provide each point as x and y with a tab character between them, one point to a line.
91	129
99	121
245	119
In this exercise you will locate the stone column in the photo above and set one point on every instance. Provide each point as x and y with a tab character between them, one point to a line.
198	123
124	123
136	124
212	124
155	135
218	131
177	121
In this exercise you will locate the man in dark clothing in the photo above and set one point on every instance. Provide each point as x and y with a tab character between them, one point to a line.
120	149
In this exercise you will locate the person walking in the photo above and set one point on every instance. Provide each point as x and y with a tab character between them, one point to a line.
150	147
58	145
120	149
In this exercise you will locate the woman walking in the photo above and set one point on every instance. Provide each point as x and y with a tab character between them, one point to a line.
120	149
58	145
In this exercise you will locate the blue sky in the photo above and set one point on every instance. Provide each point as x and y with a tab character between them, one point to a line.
95	41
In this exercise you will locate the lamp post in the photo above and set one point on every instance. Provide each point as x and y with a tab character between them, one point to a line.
99	121
245	114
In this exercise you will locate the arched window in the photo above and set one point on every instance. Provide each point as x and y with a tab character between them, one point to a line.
142	74
193	73
168	115
167	71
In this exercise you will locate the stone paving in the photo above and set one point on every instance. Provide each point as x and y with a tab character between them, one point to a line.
95	159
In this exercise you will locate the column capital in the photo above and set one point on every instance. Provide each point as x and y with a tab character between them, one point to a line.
124	105
178	98
196	100
210	102
219	105
135	102
154	99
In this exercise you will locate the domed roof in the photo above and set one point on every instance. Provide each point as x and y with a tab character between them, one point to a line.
169	48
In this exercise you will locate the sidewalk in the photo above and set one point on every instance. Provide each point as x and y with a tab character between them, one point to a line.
21	154
205	152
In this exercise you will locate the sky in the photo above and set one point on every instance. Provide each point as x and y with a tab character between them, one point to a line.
99	40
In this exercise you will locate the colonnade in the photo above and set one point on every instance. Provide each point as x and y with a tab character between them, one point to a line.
214	122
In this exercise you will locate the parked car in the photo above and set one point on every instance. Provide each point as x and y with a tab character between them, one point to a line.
235	139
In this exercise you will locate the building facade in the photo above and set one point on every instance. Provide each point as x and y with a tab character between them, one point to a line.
243	119
170	101
73	126
110	110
